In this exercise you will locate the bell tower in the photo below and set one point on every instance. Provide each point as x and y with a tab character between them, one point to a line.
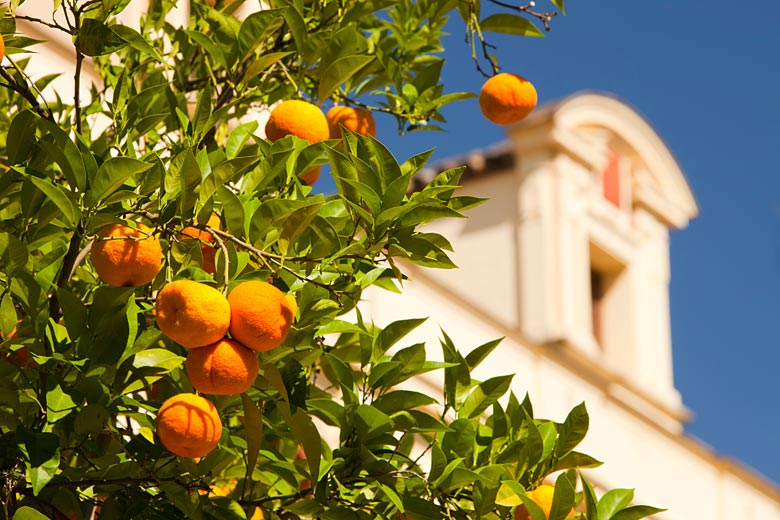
598	194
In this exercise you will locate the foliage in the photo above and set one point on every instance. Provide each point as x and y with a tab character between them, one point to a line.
169	138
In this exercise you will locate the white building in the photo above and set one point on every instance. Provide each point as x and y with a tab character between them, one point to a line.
569	261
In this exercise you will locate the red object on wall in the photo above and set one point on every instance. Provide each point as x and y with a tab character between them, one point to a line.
610	179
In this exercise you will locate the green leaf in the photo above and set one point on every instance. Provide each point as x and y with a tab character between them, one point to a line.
238	138
399	400
532	507
58	404
559	5
575	459
225	508
254	432
297	24
371	423
636	512
591	505
254	30
59	197
510	24
96	39
221	174
111	175
476	356
563	498
160	358
28	513
484	395
43	452
613	501
308	436
338	72
261	63
7	316
573	430
136	41
391	334
20	136
13	253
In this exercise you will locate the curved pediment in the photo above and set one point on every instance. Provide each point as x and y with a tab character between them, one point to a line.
592	127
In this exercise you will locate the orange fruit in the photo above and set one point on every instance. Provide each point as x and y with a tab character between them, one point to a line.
2	47
222	368
191	313
311	176
297	117
126	257
260	315
188	425
543	496
507	98
356	119
207	249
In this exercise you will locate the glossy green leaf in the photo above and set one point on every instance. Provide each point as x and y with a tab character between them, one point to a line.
613	501
111	175
484	395
573	430
58	404
253	425
338	72
636	512
510	24
96	39
399	400
563	498
60	198
28	513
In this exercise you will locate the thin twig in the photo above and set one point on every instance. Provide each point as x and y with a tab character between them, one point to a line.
53	24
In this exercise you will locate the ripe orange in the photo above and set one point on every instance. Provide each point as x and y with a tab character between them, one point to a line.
543	495
507	98
20	357
188	425
311	176
2	47
296	117
356	119
192	314
222	368
207	249
260	315
126	257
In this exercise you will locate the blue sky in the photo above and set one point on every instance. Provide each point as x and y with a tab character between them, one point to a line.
705	75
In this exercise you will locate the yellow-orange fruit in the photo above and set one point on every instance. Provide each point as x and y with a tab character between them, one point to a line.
543	496
126	257
2	47
311	176
296	117
355	119
222	368
192	314
260	315
207	249
188	425
507	98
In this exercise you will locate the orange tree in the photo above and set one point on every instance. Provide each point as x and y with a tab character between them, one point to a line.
153	210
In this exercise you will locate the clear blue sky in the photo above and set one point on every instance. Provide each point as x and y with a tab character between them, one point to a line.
707	76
